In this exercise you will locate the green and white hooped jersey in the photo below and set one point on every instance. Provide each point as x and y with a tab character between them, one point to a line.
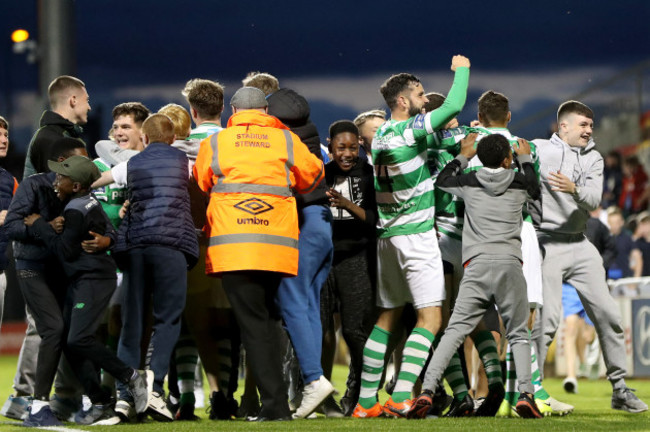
450	209
111	197
204	130
403	183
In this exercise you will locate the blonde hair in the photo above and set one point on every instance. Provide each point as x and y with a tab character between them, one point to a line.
364	116
159	128
180	117
263	81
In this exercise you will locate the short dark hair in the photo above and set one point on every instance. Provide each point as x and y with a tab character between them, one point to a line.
574	107
493	107
492	150
435	101
137	110
205	96
341	126
65	147
4	123
396	84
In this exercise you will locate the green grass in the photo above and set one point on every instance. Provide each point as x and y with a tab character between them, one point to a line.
592	414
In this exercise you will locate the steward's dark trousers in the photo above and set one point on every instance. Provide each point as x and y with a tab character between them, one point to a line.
252	297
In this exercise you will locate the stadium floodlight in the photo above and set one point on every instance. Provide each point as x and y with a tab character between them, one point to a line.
23	44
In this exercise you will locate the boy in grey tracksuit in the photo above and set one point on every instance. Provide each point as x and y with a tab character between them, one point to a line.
494	197
572	185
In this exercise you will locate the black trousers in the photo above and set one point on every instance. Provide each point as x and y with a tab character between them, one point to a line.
350	286
44	298
86	303
252	297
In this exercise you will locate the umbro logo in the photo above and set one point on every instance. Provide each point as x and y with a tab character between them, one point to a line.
254	206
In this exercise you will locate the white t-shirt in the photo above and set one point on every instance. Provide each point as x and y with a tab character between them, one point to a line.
119	173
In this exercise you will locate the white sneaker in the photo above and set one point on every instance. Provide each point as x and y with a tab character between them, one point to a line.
157	408
559	408
570	385
312	396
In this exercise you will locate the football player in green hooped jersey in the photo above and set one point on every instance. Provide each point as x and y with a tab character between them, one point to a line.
409	262
494	115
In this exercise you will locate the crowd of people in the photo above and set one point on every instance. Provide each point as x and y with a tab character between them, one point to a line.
183	248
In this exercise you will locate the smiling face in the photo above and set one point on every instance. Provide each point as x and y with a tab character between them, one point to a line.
64	187
127	133
4	142
345	150
416	99
576	130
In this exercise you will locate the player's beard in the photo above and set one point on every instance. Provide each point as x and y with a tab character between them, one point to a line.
413	110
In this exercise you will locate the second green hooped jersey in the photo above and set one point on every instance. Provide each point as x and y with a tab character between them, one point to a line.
449	208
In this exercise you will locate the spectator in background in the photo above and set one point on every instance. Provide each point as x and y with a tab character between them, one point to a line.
633	197
612	179
206	105
628	261
642	240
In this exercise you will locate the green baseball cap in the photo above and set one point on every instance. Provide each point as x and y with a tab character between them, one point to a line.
78	168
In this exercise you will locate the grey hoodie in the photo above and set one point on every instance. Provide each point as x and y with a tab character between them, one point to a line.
560	213
494	199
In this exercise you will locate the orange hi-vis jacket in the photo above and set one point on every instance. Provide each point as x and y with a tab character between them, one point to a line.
251	169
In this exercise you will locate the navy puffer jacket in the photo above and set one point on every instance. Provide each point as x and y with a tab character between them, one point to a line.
159	210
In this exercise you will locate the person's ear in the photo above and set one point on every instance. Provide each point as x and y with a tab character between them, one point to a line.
509	117
76	187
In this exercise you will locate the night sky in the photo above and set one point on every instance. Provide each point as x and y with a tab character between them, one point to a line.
336	53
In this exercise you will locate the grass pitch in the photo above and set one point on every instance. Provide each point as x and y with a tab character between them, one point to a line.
592	413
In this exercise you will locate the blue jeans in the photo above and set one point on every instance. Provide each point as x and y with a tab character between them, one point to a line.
161	272
299	297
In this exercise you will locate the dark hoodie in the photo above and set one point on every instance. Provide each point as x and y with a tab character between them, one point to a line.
53	127
494	199
293	110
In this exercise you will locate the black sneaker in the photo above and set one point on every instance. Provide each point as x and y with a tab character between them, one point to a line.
186	412
492	402
461	408
219	407
421	405
624	399
441	400
44	417
98	414
526	406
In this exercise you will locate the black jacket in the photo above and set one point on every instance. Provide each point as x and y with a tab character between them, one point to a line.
293	110
53	127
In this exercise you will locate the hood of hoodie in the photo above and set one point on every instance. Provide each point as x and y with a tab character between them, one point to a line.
495	180
291	108
50	118
188	146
